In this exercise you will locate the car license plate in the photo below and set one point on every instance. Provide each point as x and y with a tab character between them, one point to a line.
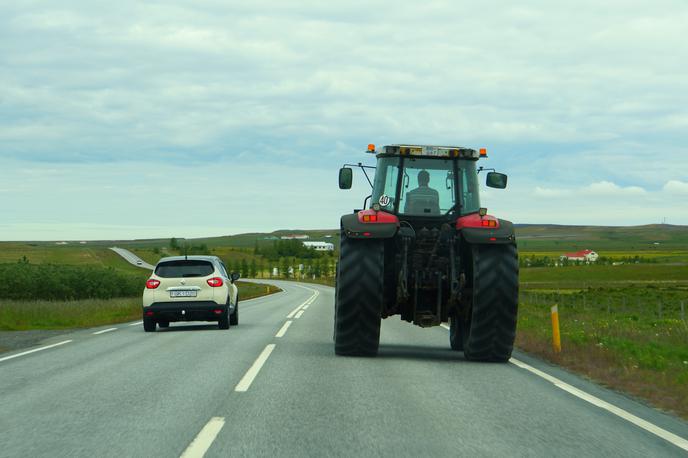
183	293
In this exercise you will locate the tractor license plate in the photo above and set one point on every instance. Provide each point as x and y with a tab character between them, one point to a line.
183	293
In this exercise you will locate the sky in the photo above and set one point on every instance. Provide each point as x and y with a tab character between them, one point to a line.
129	119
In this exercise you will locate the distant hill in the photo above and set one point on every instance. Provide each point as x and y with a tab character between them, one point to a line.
551	237
530	237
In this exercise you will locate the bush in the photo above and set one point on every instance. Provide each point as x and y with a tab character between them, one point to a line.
24	281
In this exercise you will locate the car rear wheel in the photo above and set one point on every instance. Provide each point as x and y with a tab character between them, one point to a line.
234	317
223	322
149	324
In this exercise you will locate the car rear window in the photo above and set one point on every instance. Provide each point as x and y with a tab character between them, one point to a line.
188	268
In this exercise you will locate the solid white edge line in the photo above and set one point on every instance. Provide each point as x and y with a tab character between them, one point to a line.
136	324
252	372
204	439
445	326
646	425
34	350
283	329
305	307
104	331
298	315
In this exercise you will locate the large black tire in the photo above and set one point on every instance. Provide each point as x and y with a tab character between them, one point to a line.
234	317
455	331
336	282
489	330
358	297
148	324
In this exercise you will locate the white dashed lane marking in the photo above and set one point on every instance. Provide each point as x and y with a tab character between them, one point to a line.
283	329
246	381
204	439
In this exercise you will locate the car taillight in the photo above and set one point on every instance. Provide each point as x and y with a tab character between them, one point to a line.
215	282
152	283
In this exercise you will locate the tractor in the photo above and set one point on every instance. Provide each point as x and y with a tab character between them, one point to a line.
425	249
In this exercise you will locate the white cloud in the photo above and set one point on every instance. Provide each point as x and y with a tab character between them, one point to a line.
551	192
676	187
607	188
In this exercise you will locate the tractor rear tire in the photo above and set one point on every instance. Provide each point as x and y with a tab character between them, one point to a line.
455	331
489	329
358	293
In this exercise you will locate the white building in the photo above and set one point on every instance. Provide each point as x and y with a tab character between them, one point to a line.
319	246
581	256
295	237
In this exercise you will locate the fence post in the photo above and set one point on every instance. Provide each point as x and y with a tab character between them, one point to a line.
556	337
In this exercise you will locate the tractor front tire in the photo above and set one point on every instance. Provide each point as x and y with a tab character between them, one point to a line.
489	329
358	297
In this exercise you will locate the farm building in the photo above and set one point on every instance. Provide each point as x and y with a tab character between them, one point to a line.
583	255
295	237
319	246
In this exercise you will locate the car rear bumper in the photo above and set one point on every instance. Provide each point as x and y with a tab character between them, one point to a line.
185	311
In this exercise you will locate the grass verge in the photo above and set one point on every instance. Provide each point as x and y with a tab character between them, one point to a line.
16	315
633	352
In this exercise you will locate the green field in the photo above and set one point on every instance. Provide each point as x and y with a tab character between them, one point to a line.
602	275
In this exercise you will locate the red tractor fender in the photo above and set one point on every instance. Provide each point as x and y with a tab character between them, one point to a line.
370	224
486	229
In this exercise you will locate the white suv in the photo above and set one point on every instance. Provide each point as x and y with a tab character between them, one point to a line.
190	288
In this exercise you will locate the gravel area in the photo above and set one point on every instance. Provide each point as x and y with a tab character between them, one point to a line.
16	340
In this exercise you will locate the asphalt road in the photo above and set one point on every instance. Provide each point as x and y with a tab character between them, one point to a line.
131	258
117	391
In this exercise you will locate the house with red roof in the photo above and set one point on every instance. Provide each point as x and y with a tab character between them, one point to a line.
581	256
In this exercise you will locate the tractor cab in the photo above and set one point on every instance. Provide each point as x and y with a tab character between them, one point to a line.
425	183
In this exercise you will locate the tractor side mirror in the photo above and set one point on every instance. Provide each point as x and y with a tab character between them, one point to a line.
496	180
234	276
346	176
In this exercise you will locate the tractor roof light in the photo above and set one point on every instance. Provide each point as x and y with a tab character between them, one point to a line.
371	148
431	150
483	152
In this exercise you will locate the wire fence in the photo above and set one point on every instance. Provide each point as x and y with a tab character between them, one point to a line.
659	309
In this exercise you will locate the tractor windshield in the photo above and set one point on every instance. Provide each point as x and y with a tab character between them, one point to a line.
428	186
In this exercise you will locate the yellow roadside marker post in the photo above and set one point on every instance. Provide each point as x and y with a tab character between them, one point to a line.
556	337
